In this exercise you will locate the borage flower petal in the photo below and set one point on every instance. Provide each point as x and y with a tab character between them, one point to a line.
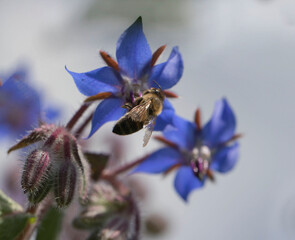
225	159
104	79
165	117
222	125
196	152
159	161
167	74
131	76
133	51
185	182
183	134
108	110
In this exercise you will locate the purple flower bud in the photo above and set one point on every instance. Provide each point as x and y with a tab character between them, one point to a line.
57	163
36	170
65	183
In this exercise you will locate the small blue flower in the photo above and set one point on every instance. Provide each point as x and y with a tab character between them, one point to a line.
127	79
196	151
20	106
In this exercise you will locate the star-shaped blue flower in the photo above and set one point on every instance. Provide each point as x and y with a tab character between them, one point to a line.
196	151
20	106
130	77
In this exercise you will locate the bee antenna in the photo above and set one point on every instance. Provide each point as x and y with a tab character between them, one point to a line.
157	84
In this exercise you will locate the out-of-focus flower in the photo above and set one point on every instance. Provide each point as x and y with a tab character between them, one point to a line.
20	106
195	151
134	73
110	214
55	164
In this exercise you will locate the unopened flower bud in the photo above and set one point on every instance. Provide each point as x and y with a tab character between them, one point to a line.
58	163
36	170
65	183
40	193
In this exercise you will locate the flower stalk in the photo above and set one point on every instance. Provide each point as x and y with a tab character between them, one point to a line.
77	116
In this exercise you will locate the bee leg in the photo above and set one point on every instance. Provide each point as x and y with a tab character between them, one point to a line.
128	106
138	100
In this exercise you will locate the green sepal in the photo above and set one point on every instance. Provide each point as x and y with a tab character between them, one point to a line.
51	225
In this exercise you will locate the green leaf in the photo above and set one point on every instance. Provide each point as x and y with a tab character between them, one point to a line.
12	225
50	225
7	205
13	219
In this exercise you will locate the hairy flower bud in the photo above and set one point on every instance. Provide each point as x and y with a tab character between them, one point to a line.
40	193
36	171
57	163
65	183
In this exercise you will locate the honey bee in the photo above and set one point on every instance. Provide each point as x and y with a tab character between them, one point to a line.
143	114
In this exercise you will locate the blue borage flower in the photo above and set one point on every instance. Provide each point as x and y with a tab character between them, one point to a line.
196	151
127	79
20	105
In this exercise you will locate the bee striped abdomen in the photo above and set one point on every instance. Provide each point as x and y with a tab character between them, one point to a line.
127	126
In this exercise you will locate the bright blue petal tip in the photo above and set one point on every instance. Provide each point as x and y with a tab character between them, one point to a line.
221	126
185	182
133	51
90	83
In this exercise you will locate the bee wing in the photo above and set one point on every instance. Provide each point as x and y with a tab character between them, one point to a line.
149	131
140	112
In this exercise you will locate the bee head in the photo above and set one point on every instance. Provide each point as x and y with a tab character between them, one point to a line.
156	91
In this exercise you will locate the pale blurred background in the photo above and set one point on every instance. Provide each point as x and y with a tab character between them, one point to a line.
243	50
